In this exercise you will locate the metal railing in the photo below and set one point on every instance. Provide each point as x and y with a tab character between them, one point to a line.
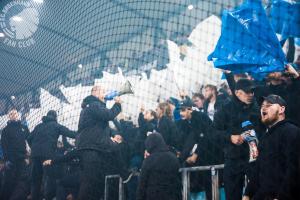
121	184
185	173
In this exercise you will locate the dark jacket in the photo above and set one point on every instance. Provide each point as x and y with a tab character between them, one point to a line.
13	141
168	129
145	126
198	131
220	101
159	177
43	139
277	173
228	121
93	129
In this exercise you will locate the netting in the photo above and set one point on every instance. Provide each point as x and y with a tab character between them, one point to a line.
53	52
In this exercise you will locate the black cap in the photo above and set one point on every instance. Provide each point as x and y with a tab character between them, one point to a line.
186	104
274	99
245	84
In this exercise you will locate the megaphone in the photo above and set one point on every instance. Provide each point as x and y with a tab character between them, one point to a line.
126	89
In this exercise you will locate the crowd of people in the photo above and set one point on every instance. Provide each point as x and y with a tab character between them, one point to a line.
250	126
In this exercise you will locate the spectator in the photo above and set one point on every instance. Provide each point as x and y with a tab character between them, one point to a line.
94	143
147	122
43	143
213	102
159	177
13	142
198	146
198	100
166	126
228	125
277	172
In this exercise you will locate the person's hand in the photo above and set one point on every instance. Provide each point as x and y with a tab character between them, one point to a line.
237	139
246	198
142	109
291	70
226	71
146	154
47	162
117	99
192	159
27	161
182	94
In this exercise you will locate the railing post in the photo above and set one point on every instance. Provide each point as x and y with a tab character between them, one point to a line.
185	184
215	184
121	189
105	188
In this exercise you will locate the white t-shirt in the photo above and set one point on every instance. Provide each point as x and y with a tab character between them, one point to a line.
211	111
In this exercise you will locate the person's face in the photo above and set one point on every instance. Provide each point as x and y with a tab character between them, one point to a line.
172	107
13	115
245	97
186	114
99	92
148	116
270	113
275	78
198	102
159	112
208	93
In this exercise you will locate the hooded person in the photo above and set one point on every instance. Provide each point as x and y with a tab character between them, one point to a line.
159	177
43	143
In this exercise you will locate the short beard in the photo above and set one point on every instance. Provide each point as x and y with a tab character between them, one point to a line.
271	121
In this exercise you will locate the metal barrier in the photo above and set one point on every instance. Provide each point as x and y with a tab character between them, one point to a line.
185	181
121	184
185	172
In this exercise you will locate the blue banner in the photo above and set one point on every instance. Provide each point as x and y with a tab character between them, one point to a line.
248	42
285	18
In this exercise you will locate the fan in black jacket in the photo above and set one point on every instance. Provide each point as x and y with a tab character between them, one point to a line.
166	126
13	142
96	148
228	126
43	143
199	147
277	171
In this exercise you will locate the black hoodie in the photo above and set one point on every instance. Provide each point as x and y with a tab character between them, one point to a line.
159	177
43	139
94	133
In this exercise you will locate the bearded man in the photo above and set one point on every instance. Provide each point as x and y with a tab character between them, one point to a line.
277	173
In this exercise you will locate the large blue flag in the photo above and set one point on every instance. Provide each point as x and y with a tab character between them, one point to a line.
247	42
285	18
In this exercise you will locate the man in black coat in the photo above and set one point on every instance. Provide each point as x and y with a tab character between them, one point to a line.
199	148
159	177
228	124
43	143
277	171
13	142
97	150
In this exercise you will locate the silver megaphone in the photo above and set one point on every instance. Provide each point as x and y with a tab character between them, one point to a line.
126	89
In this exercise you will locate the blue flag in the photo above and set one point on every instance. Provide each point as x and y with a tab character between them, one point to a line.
285	18
247	42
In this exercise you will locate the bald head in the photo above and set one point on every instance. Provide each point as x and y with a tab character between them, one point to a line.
99	92
13	115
